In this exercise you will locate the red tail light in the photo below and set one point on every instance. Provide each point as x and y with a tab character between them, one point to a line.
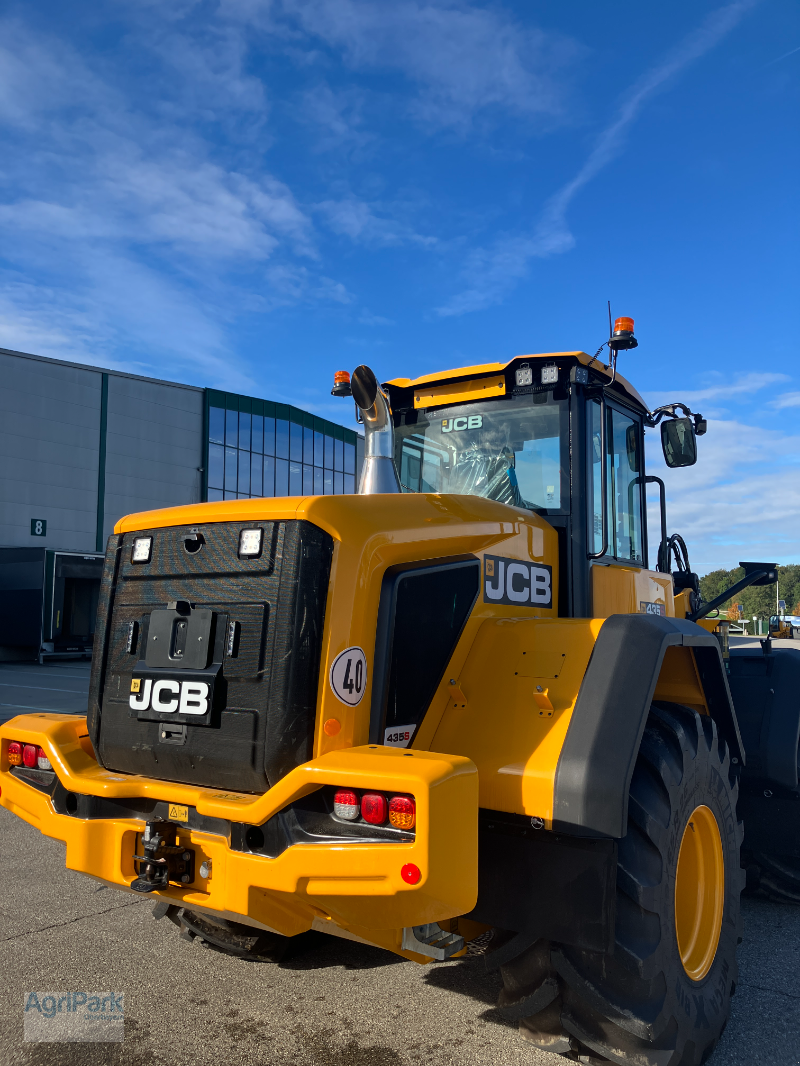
345	804
402	812
29	756
41	759
373	808
14	753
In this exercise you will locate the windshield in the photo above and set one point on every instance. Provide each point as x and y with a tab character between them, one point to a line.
512	451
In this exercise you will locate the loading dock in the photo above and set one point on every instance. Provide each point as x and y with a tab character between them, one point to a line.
48	603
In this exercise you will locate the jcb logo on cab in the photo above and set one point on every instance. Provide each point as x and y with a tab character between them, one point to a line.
453	425
517	584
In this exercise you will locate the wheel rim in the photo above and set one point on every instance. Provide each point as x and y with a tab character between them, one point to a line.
699	893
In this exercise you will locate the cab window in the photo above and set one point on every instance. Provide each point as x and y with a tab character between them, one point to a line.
514	451
624	499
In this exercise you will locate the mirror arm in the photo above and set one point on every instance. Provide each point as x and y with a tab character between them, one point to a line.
767	576
671	410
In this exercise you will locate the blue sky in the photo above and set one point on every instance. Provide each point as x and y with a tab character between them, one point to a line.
253	193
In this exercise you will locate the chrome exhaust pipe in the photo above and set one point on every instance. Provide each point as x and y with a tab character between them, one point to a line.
378	473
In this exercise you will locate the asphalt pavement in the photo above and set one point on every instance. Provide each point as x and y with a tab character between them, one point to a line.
54	686
334	1003
331	1003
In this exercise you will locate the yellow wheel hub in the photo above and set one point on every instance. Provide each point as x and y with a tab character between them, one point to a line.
699	893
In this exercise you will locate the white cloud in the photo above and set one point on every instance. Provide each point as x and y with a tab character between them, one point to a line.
366	318
466	59
491	273
741	387
788	399
357	220
122	226
740	501
336	116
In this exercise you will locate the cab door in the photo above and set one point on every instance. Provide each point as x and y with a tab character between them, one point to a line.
620	581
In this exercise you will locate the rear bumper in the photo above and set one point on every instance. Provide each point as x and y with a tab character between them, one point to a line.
352	887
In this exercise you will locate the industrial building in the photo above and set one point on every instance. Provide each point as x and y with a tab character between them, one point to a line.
81	446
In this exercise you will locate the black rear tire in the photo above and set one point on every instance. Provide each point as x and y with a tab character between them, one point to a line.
230	938
638	1004
775	876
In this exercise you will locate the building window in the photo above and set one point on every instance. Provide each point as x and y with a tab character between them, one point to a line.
216	466
216	424
253	454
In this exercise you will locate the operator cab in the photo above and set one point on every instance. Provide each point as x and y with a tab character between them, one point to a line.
530	434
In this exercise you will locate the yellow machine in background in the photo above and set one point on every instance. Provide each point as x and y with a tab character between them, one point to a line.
780	629
459	700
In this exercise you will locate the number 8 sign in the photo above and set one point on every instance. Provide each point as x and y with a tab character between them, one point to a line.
349	676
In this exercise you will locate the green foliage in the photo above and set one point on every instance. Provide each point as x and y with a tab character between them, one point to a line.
758	601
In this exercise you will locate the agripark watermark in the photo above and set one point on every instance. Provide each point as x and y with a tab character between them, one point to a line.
74	1017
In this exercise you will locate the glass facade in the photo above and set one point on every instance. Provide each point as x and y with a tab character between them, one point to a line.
257	448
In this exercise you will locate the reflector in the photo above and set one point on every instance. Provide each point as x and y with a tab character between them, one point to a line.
29	756
14	753
411	874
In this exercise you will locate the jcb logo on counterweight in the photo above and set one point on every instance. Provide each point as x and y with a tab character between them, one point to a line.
169	697
517	584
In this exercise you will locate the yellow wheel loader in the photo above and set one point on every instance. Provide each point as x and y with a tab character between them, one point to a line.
780	629
457	701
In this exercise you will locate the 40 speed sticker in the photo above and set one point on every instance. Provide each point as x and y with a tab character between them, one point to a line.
349	676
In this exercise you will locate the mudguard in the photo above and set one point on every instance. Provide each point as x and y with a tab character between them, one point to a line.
596	763
766	694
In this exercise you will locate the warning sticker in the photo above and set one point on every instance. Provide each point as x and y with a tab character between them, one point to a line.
348	676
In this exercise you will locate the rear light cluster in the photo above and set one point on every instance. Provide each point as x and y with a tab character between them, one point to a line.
375	808
30	755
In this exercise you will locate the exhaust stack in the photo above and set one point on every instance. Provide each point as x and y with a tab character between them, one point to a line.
379	473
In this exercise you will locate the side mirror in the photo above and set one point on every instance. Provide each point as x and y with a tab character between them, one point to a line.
678	442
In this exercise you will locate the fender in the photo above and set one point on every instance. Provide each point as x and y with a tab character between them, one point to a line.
597	759
766	694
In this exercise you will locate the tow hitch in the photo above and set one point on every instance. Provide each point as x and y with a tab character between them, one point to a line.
163	860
